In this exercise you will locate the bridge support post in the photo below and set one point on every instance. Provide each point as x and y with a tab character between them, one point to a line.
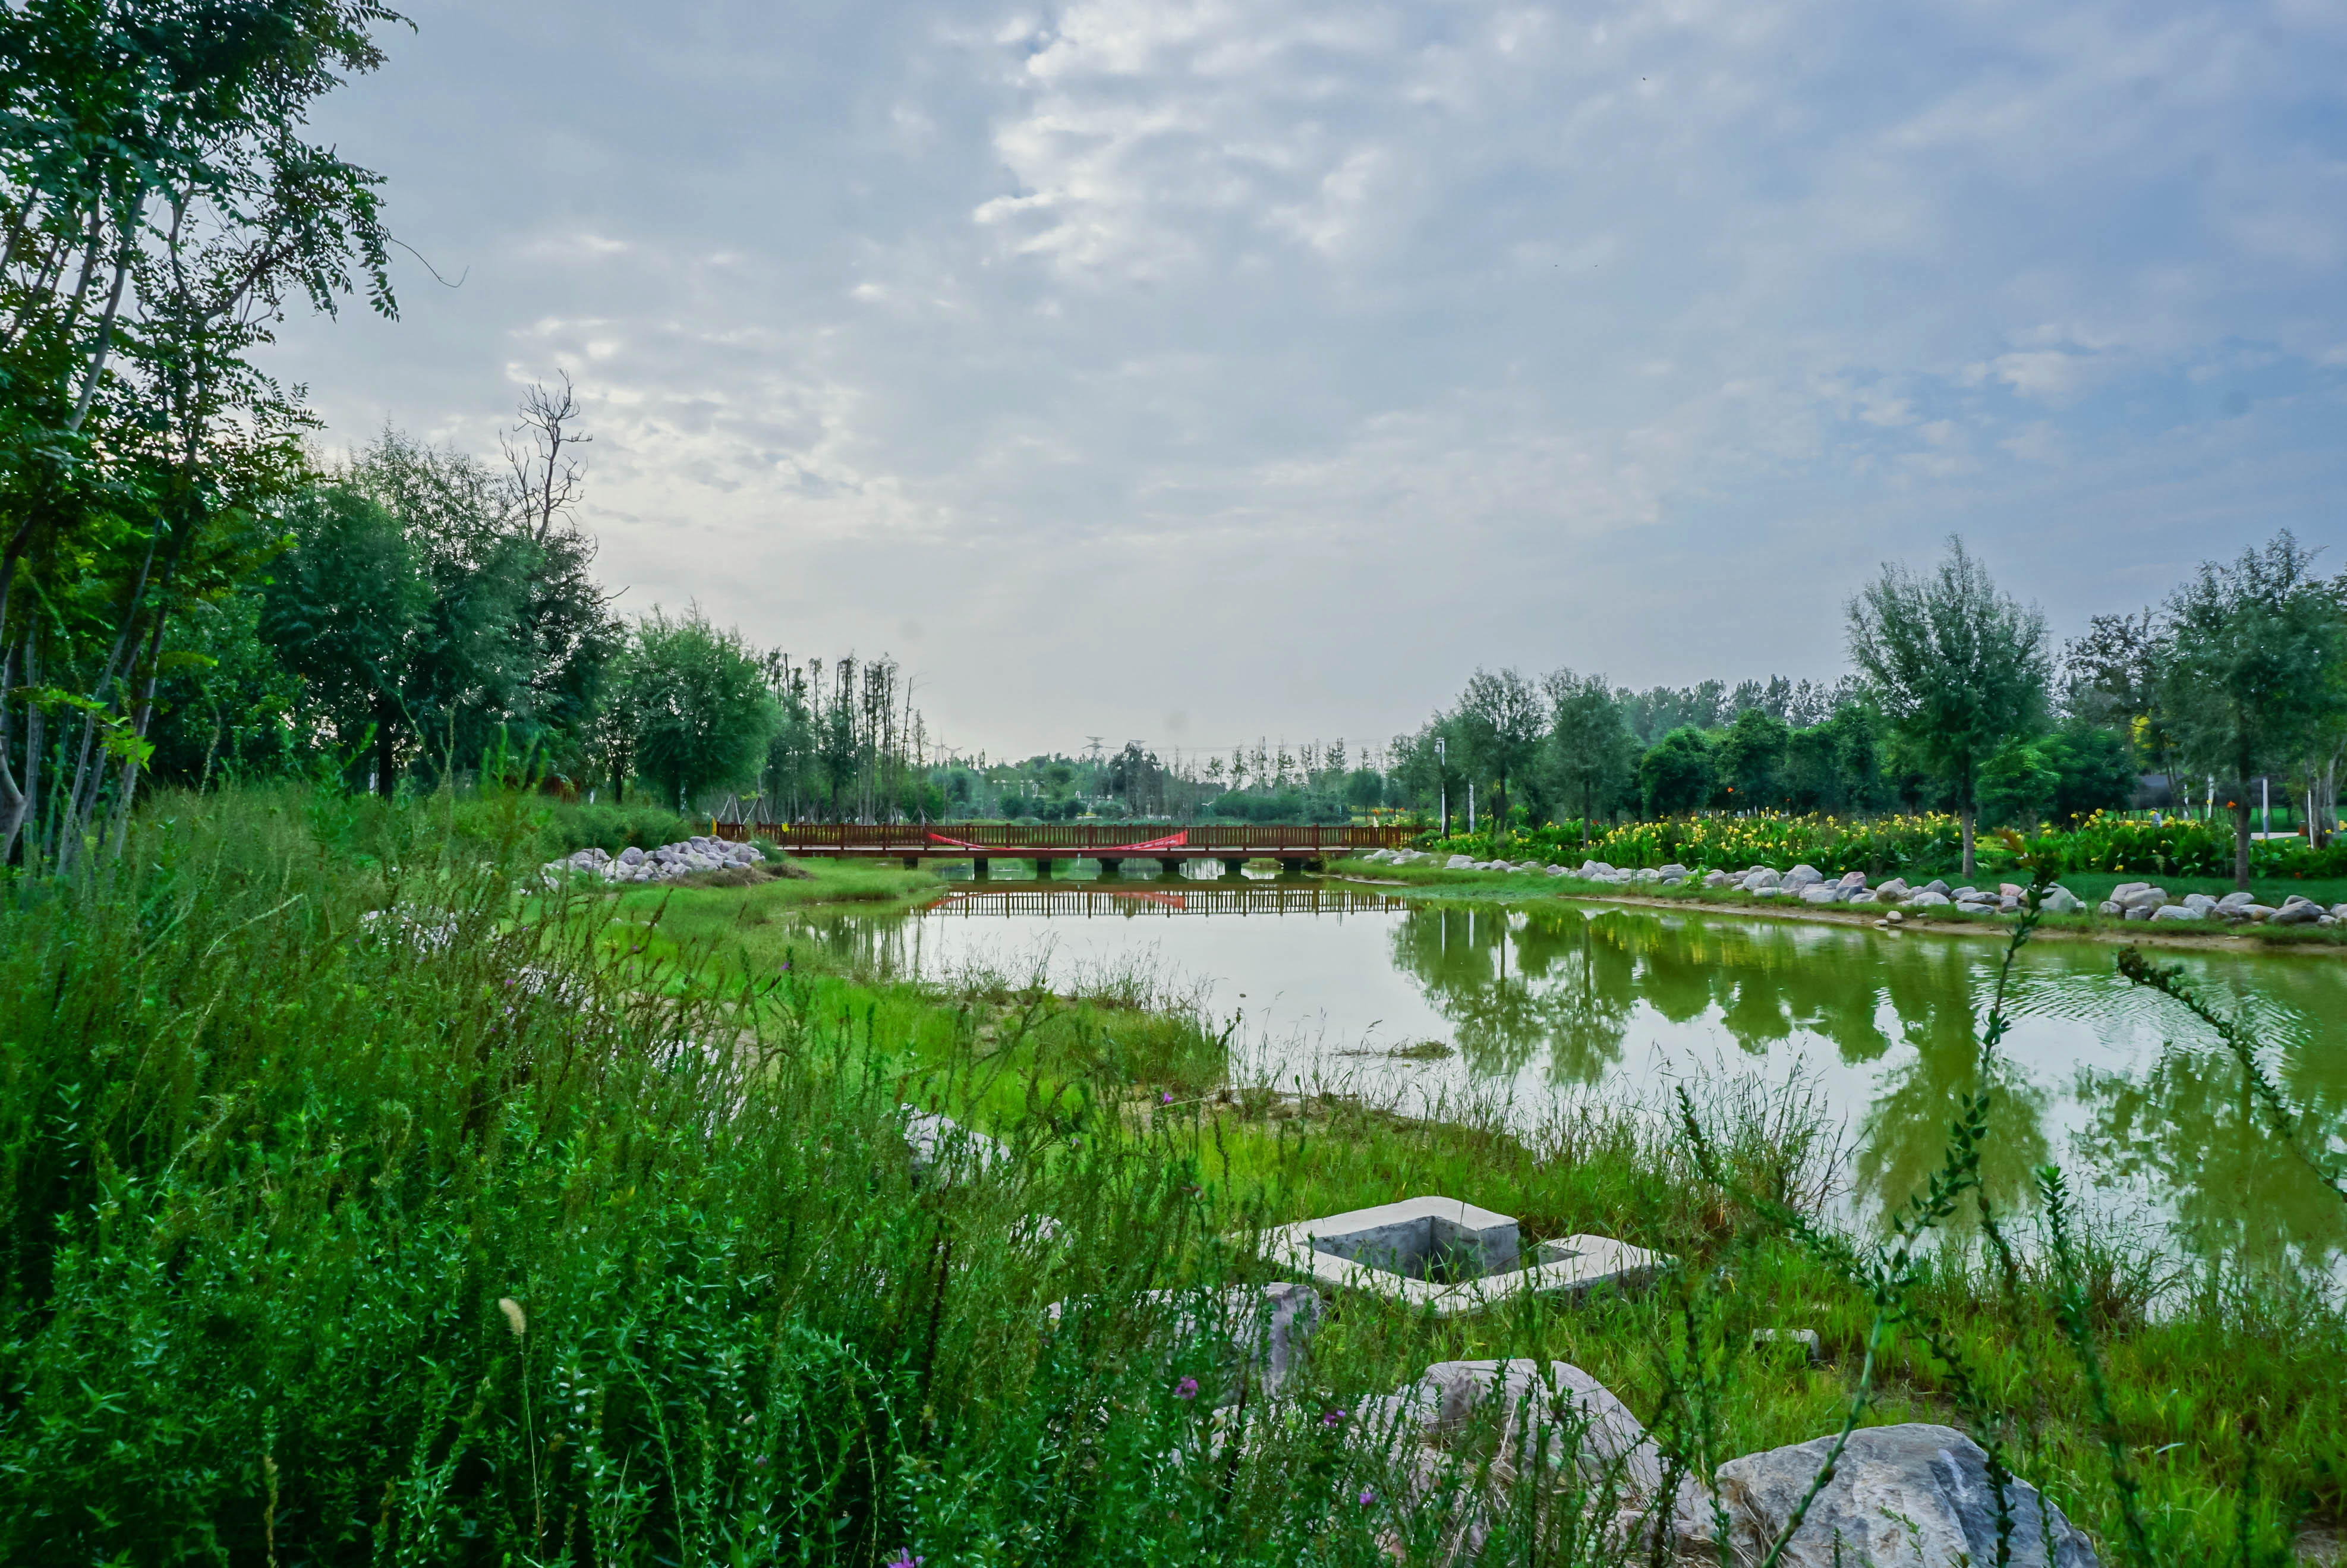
1170	869
1112	870
978	869
1043	869
1234	867
1291	865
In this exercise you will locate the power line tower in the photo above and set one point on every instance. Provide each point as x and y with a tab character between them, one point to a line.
1094	745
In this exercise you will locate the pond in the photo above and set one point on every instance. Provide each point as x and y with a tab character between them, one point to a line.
1536	1002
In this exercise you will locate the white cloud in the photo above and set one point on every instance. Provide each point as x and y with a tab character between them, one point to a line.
1118	324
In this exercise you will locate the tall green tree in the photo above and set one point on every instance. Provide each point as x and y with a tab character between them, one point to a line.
1678	773
2250	671
1500	721
160	206
346	611
1592	754
1751	760
703	710
1957	668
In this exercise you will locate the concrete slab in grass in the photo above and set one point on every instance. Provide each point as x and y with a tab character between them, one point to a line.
1449	1257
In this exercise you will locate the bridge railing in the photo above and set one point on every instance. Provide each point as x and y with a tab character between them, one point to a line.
1073	838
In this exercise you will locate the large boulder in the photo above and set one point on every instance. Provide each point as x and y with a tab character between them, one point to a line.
1929	899
2297	910
2060	900
1760	879
1803	875
2170	912
1916	1495
1824	893
1518	1422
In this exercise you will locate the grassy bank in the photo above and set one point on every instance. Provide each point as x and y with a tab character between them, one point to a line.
2091	887
370	1213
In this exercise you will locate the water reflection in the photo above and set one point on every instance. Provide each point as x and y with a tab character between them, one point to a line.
1566	992
1552	997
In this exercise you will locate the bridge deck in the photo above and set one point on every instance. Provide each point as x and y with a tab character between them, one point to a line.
1050	841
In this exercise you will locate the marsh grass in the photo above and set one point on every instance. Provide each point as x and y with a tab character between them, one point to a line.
358	1209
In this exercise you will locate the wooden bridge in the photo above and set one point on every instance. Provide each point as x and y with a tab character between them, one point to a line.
1172	845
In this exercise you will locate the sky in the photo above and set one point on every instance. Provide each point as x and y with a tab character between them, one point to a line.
1192	373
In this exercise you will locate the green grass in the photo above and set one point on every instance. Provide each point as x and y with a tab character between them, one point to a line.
2091	887
269	1171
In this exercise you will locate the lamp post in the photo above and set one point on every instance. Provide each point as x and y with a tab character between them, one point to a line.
1442	783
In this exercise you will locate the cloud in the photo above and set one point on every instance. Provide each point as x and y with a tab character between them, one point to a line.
1154	356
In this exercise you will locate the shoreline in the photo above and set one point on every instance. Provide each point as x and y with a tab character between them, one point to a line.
2229	939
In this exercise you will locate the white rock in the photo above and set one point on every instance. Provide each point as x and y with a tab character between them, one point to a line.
2060	900
1928	899
2172	912
1802	875
1914	1495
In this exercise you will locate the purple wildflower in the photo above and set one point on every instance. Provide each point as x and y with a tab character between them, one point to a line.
1166	1098
1368	1497
906	1558
1332	1417
1187	1389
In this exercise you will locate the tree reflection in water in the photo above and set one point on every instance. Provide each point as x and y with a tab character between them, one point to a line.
1565	991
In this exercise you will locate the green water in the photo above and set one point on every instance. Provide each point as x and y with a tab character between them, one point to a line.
1540	1002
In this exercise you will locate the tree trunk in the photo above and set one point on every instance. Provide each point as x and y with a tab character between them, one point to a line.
383	758
1964	826
2241	841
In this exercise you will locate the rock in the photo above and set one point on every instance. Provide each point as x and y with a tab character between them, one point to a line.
1760	881
2237	901
1268	1329
2171	912
1802	875
2060	900
1893	889
1807	1338
2009	890
2142	899
1853	879
2258	911
1894	918
1459	863
2135	911
1673	869
2199	902
2120	894
2340	910
1717	880
1460	1417
632	856
1914	1495
942	1145
2298	912
1824	893
1936	886
1863	896
1967	894
1929	899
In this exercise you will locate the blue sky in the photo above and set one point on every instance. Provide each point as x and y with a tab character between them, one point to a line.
1188	373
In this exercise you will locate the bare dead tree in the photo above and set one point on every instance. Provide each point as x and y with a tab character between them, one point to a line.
548	472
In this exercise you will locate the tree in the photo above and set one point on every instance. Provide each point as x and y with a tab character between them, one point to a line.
345	611
1750	760
2094	770
2250	671
1677	773
2018	785
702	711
1500	721
1957	668
160	207
1591	751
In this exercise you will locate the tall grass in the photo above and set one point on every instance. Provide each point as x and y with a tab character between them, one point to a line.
350	1220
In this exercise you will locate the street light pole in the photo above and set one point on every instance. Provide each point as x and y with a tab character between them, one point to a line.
1442	783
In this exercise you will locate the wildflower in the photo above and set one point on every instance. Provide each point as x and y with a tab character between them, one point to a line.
1368	1497
1187	1389
1166	1098
1332	1419
906	1558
